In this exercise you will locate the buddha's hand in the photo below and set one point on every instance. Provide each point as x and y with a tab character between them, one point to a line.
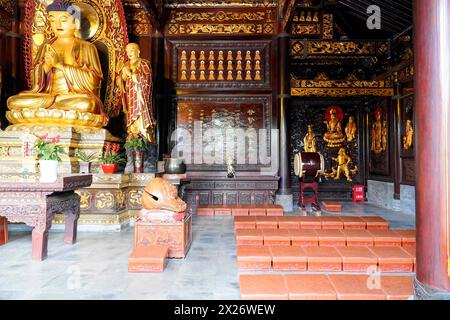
50	58
126	72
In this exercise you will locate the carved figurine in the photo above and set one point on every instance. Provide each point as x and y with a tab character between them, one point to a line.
408	138
136	86
334	136
378	134
310	140
231	173
351	129
66	78
343	160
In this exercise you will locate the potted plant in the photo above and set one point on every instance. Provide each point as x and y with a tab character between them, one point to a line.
111	159
48	153
85	160
137	145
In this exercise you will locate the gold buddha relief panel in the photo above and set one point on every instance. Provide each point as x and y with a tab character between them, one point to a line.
379	138
220	65
312	24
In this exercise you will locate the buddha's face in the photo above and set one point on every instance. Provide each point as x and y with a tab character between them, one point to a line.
63	24
133	52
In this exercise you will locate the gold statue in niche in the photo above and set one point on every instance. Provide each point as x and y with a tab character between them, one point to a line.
343	160
66	78
408	138
310	140
136	87
334	136
351	129
379	133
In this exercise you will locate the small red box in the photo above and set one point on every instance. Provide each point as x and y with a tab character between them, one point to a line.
358	193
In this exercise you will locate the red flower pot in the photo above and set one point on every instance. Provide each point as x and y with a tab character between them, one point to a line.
110	168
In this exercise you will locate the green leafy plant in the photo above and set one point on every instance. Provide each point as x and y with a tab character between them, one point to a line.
85	157
113	158
48	148
136	143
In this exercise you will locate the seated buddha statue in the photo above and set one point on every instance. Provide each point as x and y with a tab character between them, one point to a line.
66	78
334	136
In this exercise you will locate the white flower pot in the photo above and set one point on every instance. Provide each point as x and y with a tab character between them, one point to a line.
48	170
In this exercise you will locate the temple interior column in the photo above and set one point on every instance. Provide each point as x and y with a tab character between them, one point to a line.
432	64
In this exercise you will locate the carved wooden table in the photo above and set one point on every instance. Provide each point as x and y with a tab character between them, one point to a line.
25	199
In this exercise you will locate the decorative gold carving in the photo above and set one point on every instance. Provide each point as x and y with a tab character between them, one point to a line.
139	22
340	88
220	16
171	4
305	29
349	92
135	198
7	5
221	29
85	199
379	133
351	129
322	48
104	200
327	26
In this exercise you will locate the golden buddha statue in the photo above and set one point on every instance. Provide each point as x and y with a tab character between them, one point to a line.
350	129
310	140
66	78
408	138
379	134
334	136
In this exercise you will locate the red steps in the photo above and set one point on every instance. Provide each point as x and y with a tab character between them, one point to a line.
338	238
312	223
324	287
148	259
326	259
267	210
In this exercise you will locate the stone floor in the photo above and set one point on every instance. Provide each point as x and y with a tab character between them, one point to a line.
96	267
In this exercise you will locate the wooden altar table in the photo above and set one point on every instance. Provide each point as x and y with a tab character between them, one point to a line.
24	199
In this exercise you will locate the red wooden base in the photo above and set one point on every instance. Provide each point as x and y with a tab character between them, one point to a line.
148	259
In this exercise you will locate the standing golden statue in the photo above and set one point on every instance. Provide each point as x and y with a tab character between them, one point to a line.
136	86
66	78
351	129
408	138
343	160
379	134
310	140
334	136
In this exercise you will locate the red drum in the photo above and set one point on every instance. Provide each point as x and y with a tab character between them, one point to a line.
309	165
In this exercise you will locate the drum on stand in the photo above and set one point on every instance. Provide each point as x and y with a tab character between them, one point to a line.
309	165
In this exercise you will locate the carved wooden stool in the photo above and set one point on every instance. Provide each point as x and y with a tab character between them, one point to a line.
36	204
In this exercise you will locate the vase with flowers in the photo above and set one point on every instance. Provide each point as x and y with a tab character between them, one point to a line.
48	153
136	144
112	158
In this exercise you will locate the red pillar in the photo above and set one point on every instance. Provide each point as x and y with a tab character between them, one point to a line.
432	81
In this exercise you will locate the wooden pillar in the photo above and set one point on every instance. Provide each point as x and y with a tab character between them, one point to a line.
283	103
158	91
432	64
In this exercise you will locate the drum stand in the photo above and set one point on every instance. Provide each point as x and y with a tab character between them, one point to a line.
314	199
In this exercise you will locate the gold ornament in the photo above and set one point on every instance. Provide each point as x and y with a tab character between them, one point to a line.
408	138
310	140
351	129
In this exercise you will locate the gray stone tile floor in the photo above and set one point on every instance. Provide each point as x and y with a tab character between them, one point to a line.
96	266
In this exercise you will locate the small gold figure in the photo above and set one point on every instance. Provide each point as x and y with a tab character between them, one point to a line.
202	55
343	161
408	138
211	66
230	75
379	135
248	76
193	77
310	140
220	76
258	76
248	55
239	65
384	135
193	66
239	55
211	56
202	65
183	76
220	55
249	65
230	65
183	65
258	65
239	76
351	129
220	65
257	55
230	56
183	55
211	76
202	75
193	56
334	136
